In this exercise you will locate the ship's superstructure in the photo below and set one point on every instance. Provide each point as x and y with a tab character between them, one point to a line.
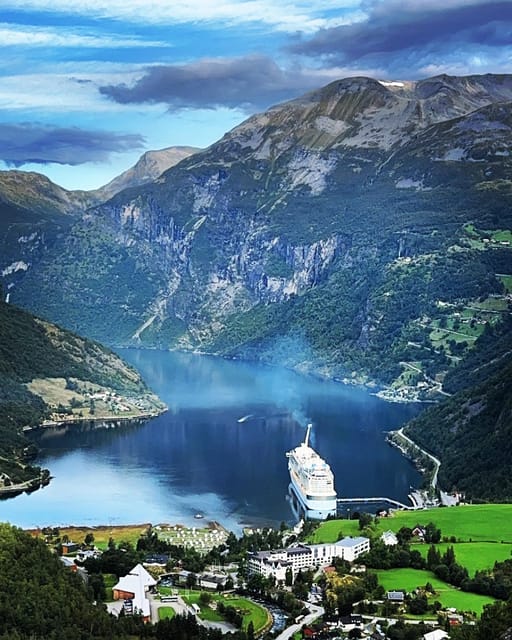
311	486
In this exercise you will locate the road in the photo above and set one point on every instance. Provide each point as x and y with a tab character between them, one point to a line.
436	462
316	612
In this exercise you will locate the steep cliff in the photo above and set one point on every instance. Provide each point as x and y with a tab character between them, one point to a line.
338	231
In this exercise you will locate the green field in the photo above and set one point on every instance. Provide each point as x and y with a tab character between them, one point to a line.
502	236
475	556
166	612
469	523
448	596
251	611
333	530
126	533
496	235
491	304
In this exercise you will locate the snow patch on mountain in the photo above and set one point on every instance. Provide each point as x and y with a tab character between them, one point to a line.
457	154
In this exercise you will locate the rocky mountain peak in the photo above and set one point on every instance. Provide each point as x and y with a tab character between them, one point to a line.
149	167
366	113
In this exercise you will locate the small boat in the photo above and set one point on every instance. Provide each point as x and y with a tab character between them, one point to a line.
245	418
198	516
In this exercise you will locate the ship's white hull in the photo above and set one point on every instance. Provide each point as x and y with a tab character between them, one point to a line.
311	507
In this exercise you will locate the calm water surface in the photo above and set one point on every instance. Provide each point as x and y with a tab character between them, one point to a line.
197	457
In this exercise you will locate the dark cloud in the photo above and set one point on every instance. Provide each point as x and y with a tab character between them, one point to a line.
35	143
393	28
249	83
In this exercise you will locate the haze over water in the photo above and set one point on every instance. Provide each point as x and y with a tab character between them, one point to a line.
198	459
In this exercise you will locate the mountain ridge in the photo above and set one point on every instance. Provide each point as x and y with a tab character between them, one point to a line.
148	168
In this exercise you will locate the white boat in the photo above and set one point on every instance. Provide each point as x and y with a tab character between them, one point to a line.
311	487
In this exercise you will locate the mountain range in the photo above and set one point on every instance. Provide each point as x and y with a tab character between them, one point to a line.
361	231
336	221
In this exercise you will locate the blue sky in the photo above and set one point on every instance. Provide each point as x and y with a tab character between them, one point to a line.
88	85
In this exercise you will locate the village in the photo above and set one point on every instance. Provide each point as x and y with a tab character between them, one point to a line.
289	587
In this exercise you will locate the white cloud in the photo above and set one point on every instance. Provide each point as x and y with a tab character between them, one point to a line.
40	37
288	15
60	92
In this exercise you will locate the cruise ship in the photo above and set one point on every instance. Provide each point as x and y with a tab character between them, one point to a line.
311	485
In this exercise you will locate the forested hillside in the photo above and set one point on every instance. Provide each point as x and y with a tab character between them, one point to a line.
472	431
43	600
36	356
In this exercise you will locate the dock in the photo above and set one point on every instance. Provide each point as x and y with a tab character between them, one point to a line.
379	500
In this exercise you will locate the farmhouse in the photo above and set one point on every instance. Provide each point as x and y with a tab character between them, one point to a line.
395	596
133	589
70	547
389	539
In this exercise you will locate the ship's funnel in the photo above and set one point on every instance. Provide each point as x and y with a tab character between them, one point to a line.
306	439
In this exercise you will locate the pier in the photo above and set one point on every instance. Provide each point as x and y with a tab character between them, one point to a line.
394	503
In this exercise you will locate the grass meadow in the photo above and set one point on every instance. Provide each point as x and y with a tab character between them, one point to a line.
448	596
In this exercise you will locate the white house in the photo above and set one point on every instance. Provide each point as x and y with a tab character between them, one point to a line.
305	556
133	588
389	538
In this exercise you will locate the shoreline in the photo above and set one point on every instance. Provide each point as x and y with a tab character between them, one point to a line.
99	422
28	486
43	478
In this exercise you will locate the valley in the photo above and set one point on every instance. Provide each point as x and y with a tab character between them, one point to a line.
256	320
358	233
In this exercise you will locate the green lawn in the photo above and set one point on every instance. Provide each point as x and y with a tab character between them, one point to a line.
473	523
251	611
448	596
166	612
408	579
475	556
333	530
